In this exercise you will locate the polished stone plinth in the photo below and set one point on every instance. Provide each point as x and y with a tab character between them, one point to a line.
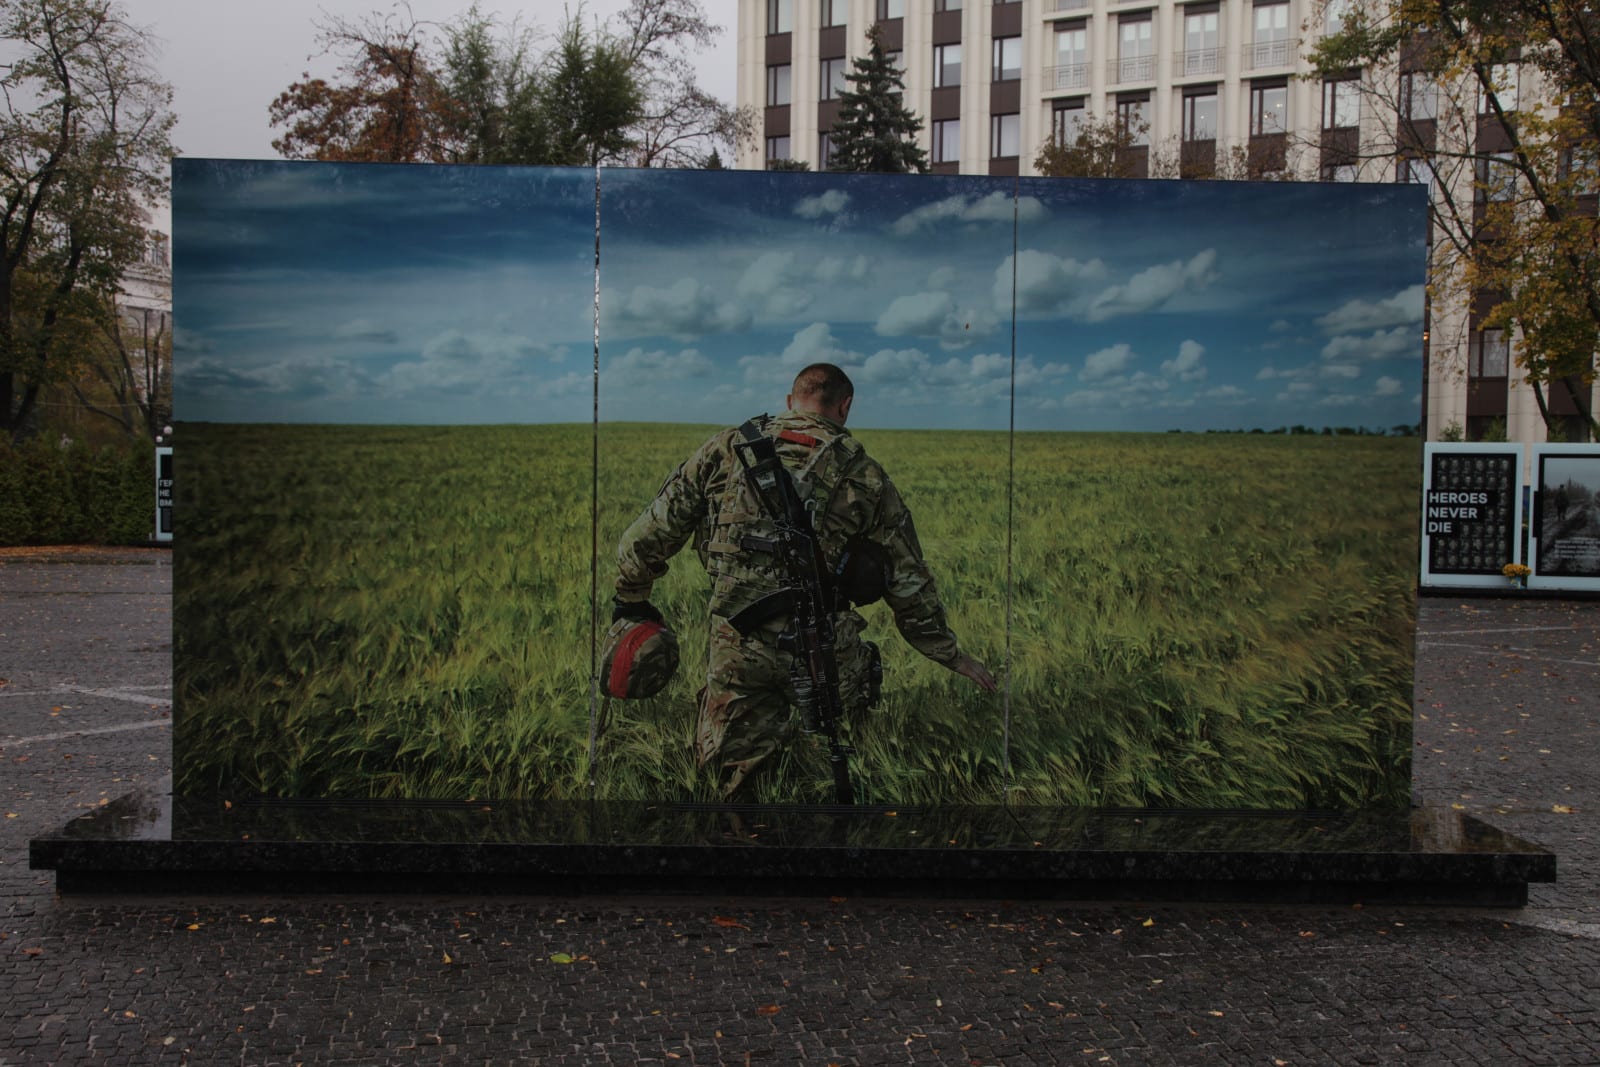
157	842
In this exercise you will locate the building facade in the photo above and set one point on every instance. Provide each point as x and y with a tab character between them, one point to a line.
1210	88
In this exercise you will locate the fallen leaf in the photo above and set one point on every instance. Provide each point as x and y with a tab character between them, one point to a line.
11	815
447	958
723	920
1149	922
1561	809
560	957
33	952
268	919
968	1026
192	926
1308	934
1218	1014
768	1009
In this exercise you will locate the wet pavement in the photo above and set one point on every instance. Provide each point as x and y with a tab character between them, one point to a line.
1508	719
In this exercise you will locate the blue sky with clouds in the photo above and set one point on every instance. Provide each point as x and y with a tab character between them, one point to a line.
359	293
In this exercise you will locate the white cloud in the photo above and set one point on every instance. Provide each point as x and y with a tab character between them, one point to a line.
1045	281
1107	363
365	330
1387	386
772	285
890	366
829	203
1381	344
473	361
998	206
1186	367
935	314
942	278
1340	370
684	309
1155	286
637	364
814	344
1404	307
1225	394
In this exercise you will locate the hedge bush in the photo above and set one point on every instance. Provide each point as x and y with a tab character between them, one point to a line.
51	496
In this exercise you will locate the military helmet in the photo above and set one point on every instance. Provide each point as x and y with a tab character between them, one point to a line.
639	659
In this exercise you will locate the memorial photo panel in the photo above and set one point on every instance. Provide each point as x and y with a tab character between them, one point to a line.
1216	486
717	289
384	403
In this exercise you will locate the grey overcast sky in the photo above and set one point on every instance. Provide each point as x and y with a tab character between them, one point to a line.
228	59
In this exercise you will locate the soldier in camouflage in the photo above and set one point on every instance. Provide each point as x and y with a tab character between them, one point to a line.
745	709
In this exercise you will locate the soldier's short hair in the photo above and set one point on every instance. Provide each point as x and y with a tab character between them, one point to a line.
824	382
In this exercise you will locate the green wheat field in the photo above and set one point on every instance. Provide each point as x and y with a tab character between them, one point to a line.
1196	621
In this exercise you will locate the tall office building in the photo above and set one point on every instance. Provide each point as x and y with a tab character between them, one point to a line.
1214	87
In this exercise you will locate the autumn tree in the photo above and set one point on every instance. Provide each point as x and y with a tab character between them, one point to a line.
1496	107
1101	148
85	129
127	378
476	90
875	131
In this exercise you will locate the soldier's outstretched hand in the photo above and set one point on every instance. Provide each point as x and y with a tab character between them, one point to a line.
970	667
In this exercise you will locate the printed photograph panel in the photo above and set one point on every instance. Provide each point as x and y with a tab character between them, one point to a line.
1565	548
1218	391
717	290
384	437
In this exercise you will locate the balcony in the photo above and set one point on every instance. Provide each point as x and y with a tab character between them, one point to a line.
1132	69
1058	6
1195	61
1268	54
1066	76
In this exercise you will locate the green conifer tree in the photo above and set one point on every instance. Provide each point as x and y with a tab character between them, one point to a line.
875	131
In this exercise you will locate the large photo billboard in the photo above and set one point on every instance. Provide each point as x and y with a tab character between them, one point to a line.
1132	462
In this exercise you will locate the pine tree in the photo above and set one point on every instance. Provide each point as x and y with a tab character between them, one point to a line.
875	131
713	161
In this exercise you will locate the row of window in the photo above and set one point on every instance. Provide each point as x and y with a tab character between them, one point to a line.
780	13
1005	141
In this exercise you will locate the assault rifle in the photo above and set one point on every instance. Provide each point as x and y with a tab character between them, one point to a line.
808	598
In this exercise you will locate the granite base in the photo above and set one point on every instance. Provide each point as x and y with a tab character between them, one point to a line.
152	841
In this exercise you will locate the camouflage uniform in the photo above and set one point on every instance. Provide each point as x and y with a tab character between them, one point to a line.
745	707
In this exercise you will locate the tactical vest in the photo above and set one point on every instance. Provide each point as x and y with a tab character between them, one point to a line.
738	538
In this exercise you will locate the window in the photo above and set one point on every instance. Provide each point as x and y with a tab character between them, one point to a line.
1579	167
1005	135
1072	58
832	77
1136	49
1333	16
1419	97
947	141
1200	116
1200	43
780	16
777	148
778	85
1007	59
1131	120
946	65
1341	104
1068	120
891	9
824	150
1504	78
1269	43
896	61
1488	354
1496	177
1415	172
1269	109
947	5
1339	172
833	12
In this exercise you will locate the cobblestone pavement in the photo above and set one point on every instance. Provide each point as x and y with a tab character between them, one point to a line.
1508	701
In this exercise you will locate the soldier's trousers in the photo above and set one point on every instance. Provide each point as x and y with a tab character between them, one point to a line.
747	709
